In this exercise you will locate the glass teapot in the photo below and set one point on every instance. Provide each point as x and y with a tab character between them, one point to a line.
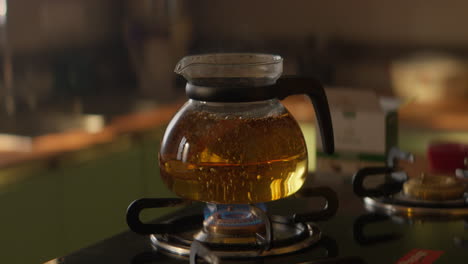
233	142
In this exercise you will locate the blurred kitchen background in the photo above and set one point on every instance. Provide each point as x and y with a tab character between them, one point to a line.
87	86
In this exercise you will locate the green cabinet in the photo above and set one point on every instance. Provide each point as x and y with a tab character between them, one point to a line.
30	220
98	185
53	207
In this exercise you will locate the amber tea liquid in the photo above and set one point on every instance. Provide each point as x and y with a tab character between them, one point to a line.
234	160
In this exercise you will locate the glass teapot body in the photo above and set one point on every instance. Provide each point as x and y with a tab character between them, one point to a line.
234	142
233	153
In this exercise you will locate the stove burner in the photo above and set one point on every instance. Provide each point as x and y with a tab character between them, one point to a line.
434	188
405	200
289	237
421	210
240	225
236	219
423	198
235	231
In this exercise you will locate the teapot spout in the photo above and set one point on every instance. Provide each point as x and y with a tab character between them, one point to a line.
180	67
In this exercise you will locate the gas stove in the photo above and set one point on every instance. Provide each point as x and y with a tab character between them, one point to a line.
353	235
238	232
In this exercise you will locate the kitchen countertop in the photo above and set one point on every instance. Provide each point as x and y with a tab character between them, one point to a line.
49	145
414	118
382	241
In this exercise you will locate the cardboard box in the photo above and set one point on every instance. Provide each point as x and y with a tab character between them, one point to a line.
365	128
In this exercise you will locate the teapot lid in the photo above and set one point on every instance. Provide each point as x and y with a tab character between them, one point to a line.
231	77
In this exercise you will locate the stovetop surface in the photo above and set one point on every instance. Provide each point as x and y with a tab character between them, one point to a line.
353	231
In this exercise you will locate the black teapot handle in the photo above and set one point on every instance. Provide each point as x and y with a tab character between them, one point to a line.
311	87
